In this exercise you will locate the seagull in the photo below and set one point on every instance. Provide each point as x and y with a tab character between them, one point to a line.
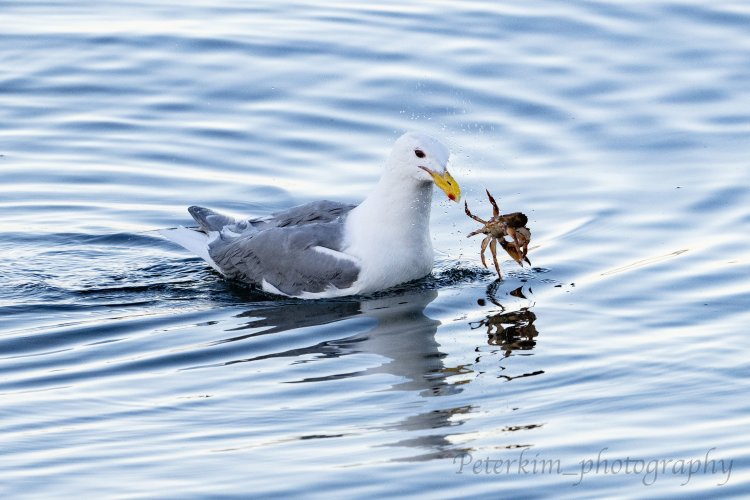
329	249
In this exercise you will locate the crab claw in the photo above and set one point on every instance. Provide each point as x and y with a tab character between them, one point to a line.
513	251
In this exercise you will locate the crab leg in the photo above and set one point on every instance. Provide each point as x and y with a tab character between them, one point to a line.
493	249
466	209
484	247
495	209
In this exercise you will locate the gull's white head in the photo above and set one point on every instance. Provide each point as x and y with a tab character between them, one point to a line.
424	159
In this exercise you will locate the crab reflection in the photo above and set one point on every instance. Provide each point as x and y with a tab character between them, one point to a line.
511	330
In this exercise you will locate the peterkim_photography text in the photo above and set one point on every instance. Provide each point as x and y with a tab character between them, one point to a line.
648	471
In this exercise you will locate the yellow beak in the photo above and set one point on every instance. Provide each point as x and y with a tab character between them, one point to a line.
447	183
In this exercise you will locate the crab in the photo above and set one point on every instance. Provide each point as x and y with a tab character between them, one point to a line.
509	229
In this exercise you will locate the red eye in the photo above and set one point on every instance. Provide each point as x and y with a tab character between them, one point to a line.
419	153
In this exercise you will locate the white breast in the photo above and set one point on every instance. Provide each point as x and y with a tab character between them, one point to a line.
391	238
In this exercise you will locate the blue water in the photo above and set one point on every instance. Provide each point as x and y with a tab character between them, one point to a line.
129	369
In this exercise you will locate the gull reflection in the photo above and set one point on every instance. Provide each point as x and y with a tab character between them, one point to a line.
402	334
403	338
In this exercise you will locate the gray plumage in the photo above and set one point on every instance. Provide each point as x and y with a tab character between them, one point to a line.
283	249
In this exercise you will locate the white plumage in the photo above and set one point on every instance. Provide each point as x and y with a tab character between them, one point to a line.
328	249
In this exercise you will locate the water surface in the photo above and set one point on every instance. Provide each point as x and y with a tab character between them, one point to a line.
129	369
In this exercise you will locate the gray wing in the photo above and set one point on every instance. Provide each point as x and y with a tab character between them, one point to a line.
292	258
309	213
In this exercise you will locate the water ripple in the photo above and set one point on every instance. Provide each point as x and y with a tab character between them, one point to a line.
618	128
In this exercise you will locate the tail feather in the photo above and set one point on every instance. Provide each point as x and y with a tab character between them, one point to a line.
208	220
192	240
